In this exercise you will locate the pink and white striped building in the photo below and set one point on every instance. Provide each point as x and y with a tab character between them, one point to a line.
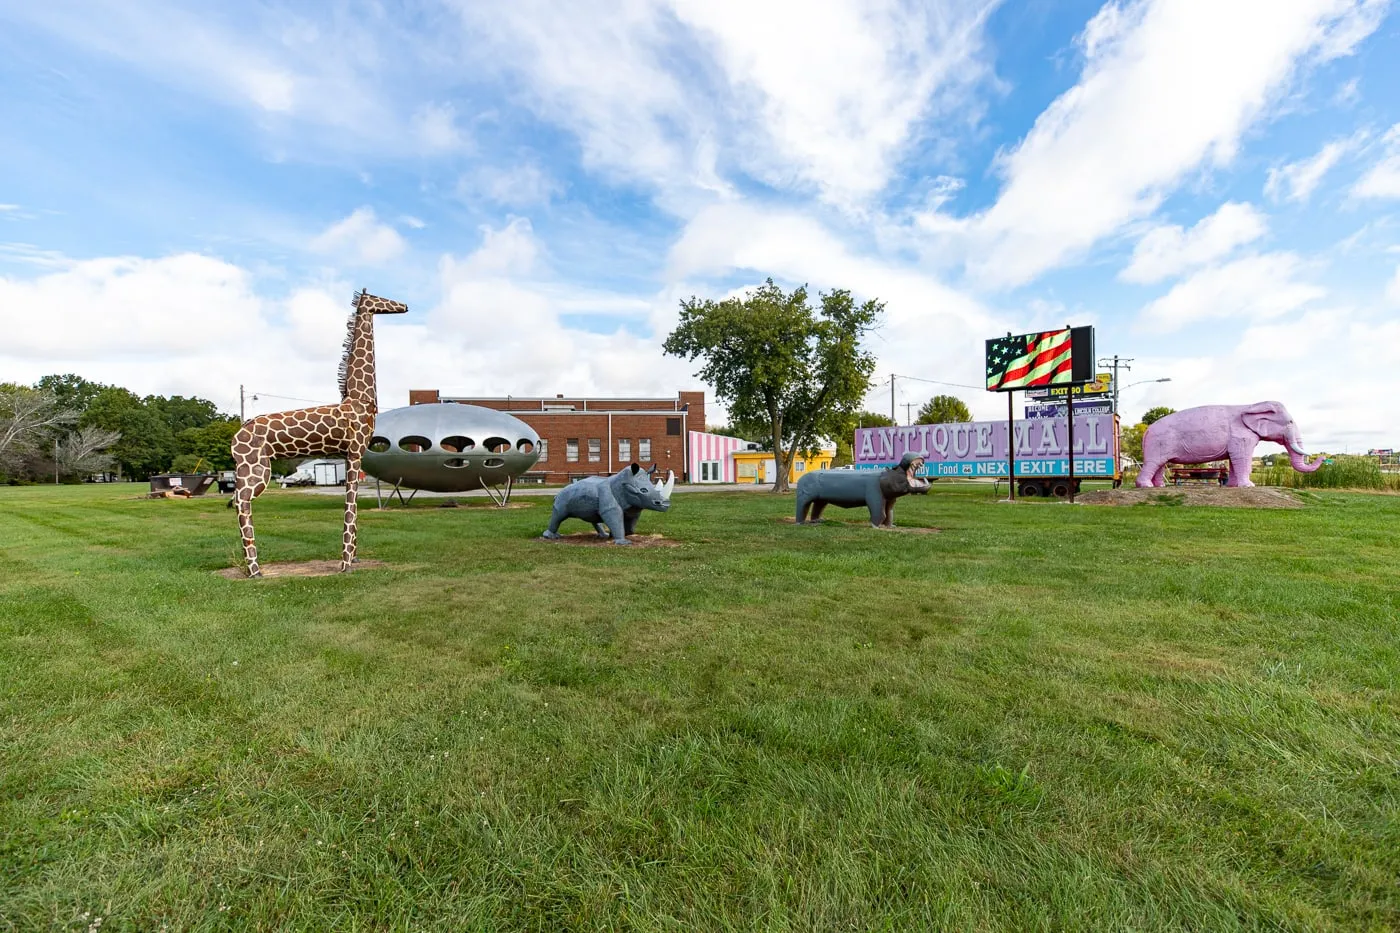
710	457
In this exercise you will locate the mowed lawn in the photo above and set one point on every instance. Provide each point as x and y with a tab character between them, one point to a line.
1042	717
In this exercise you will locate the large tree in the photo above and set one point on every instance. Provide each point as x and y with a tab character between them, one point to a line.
944	409
773	358
28	416
1156	414
147	444
844	433
84	451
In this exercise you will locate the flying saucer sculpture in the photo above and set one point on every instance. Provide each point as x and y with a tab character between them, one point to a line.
447	447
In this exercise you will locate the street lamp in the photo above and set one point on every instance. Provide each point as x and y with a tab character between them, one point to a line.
1143	382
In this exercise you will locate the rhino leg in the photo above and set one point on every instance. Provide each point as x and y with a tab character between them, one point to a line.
602	530
629	521
612	517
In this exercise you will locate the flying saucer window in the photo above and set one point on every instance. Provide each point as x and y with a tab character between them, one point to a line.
456	463
493	462
456	444
525	445
497	445
414	443
379	444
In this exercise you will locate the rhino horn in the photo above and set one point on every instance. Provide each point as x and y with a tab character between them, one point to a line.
669	486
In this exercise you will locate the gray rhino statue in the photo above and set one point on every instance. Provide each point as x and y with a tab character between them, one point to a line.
611	504
850	489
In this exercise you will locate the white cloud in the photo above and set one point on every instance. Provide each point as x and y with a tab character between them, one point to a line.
1166	89
1254	287
360	238
1382	180
1392	290
1296	181
664	95
8	207
521	185
435	126
1169	250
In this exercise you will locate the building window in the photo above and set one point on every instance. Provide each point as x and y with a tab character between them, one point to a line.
571	450
644	449
709	471
673	427
748	470
624	449
595	450
544	449
801	465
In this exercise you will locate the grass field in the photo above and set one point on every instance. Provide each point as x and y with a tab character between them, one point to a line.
1043	717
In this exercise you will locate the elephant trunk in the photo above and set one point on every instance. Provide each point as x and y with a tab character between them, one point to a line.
1294	445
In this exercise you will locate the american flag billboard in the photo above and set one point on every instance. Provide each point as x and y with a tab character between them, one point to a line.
1049	358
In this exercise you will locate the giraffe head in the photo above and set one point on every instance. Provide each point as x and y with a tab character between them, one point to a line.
373	304
357	363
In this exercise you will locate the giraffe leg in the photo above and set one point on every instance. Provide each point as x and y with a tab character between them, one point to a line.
352	475
250	479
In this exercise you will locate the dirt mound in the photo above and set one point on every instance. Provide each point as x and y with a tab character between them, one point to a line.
589	539
309	568
1241	497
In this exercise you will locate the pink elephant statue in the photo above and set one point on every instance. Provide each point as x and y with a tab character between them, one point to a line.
1213	432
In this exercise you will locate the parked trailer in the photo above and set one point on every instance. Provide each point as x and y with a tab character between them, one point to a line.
979	449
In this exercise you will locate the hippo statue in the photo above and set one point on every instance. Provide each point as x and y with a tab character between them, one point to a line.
611	504
850	489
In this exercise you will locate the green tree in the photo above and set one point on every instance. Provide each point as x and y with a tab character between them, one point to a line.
210	444
773	359
845	433
1156	414
180	413
72	391
147	444
1131	441
944	409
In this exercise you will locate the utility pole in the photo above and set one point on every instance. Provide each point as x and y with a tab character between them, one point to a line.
908	407
893	415
241	416
1117	364
55	461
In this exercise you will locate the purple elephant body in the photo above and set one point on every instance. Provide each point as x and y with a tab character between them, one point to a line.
1215	432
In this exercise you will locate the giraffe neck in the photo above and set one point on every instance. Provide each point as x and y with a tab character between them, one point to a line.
359	382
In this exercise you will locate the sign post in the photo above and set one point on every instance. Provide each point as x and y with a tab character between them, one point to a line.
1069	415
1011	443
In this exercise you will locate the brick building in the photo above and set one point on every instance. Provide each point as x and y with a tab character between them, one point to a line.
597	436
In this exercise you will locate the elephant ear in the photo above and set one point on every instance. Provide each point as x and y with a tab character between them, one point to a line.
1266	419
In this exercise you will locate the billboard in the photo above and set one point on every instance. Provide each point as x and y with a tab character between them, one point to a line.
1061	357
1057	409
979	448
1102	385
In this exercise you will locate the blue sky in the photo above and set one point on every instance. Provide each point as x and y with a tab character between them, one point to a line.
190	192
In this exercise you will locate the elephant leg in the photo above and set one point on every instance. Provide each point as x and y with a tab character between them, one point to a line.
1241	454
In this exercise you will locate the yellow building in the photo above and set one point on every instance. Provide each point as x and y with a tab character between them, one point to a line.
758	466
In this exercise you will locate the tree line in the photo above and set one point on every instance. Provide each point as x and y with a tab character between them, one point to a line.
70	428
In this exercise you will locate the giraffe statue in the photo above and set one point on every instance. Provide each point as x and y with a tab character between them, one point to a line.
312	432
